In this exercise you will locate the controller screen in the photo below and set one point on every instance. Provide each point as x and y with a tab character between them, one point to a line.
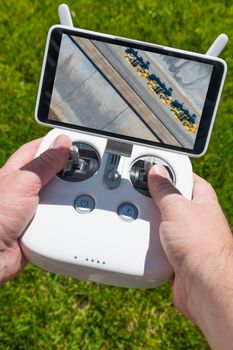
122	90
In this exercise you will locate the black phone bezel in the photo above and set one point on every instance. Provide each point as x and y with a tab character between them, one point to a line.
49	76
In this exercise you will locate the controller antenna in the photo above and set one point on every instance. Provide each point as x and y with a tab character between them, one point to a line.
65	15
218	45
215	49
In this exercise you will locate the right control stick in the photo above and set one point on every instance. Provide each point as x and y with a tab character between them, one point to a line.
139	172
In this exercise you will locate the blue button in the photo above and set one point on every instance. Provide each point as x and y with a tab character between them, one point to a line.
128	211
84	204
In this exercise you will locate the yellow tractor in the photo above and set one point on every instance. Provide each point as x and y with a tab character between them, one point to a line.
165	99
189	126
128	56
145	73
131	59
152	85
143	68
176	111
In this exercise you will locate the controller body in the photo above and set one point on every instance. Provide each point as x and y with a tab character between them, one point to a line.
92	231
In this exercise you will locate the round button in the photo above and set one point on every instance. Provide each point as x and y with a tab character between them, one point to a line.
84	204
128	211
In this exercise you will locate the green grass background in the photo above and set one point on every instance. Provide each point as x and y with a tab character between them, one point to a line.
39	310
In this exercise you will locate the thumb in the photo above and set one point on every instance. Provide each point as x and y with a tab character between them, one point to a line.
51	161
167	198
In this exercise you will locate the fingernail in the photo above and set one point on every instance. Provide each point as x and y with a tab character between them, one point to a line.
59	142
159	169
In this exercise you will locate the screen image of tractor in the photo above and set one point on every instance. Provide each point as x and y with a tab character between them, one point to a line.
160	89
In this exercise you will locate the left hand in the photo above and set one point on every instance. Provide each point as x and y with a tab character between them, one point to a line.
21	180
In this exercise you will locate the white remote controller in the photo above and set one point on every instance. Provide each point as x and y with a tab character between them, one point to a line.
95	220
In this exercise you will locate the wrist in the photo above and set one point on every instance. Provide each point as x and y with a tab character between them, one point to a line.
11	258
210	297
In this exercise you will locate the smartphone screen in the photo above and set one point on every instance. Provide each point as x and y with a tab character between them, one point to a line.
130	91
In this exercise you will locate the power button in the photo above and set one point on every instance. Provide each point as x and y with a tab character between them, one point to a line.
84	204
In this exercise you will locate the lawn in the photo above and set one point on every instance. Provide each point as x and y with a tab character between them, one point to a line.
39	310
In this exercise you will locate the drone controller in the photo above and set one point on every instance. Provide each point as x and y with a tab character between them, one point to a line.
96	220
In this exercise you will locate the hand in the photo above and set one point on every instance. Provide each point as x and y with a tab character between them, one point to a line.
198	243
21	180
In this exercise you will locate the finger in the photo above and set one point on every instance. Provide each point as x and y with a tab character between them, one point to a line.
164	194
202	190
22	156
50	162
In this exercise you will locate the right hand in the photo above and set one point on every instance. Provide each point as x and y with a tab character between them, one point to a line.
198	243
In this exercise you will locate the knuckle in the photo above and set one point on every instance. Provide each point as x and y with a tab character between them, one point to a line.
46	163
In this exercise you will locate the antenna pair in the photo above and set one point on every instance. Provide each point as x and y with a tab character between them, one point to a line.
215	49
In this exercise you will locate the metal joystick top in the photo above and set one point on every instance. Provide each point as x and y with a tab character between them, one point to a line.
75	154
83	163
148	165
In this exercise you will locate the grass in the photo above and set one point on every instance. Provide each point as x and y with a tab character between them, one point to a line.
39	310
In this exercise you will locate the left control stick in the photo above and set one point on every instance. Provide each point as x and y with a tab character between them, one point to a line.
83	163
